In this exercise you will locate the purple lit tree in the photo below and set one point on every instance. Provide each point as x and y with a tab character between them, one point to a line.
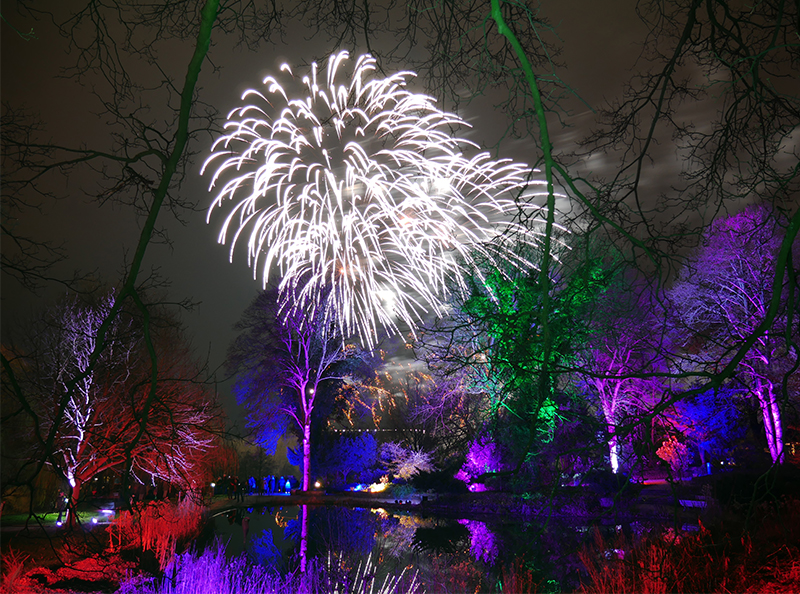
617	362
721	299
285	362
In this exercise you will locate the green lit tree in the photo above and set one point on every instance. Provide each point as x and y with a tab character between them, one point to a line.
495	342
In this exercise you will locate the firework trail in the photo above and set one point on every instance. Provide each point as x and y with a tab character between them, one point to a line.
358	191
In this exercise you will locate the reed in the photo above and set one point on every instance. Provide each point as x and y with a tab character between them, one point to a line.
162	527
766	558
211	572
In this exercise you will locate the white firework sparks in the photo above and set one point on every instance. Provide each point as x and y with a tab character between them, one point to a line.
358	190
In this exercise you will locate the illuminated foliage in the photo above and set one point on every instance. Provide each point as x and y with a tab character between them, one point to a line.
483	457
404	462
676	454
344	455
710	421
104	409
495	342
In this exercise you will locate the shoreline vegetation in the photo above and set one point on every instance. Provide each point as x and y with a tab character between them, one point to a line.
738	547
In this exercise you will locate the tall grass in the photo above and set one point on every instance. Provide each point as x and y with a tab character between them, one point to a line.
13	565
765	559
212	573
162	527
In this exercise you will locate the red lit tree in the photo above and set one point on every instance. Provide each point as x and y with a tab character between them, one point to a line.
721	299
108	422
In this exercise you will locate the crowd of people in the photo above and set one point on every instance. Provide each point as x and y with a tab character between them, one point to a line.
236	489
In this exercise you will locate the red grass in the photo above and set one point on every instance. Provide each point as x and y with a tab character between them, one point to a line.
518	579
764	559
13	565
160	526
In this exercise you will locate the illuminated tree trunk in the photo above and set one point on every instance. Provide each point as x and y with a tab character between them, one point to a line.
72	506
306	451
613	448
771	415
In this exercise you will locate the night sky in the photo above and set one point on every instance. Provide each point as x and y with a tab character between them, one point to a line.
601	41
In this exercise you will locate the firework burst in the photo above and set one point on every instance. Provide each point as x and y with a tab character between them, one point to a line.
358	191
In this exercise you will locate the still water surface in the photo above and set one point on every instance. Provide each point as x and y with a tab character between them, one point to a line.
447	554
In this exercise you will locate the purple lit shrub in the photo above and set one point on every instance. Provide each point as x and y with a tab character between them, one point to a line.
483	456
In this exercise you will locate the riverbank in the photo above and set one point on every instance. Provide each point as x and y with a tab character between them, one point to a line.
654	501
682	510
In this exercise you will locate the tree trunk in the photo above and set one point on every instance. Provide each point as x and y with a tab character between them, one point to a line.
306	451
613	449
72	506
770	416
772	421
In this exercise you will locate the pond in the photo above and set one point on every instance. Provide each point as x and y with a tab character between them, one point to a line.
447	554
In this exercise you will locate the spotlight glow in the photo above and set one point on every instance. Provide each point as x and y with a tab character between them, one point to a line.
359	186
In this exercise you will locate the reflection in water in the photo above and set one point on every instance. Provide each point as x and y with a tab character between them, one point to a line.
445	538
483	542
398	531
263	550
304	538
450	555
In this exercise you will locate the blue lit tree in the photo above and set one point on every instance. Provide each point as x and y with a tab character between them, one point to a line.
347	455
285	362
710	421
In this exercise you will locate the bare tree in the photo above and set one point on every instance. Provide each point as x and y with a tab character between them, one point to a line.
99	428
720	299
617	362
141	163
286	362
